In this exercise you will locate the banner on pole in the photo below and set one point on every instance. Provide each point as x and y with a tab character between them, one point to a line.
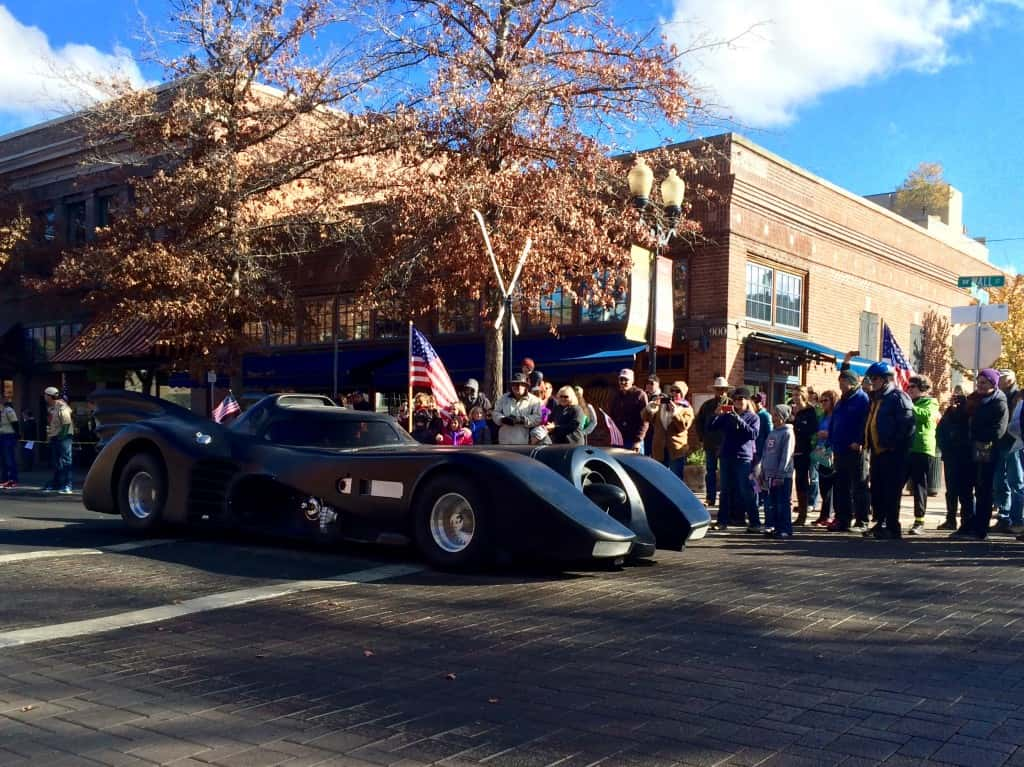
664	314
639	295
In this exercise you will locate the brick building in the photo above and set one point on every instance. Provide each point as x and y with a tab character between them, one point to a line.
792	270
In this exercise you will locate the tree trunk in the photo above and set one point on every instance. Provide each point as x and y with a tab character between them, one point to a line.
494	355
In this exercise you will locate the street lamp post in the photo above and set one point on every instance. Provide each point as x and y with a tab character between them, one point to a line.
673	188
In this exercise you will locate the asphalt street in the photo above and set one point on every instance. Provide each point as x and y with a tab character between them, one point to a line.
744	651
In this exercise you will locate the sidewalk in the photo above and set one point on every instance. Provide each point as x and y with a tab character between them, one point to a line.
31	483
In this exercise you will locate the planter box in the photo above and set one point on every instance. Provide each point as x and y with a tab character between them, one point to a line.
693	476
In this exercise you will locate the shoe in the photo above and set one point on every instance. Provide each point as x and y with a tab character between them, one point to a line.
6	484
65	491
870	532
755	529
837	527
947	525
859	527
1015	529
718	527
769	531
1001	526
821	522
917	529
801	520
884	534
10	485
781	535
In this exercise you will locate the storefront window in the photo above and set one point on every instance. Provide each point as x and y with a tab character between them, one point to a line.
318	321
353	322
280	335
616	312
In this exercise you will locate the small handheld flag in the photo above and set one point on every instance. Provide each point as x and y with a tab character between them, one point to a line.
228	406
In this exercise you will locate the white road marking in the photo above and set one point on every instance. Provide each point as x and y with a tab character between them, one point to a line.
198	605
24	556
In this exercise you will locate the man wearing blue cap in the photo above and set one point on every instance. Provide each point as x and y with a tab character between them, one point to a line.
887	437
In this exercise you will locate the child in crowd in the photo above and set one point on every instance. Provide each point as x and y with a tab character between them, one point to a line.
480	426
777	472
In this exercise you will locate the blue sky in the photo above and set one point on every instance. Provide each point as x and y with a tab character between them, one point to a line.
857	92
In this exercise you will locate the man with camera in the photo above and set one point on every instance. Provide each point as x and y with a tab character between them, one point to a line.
517	412
738	426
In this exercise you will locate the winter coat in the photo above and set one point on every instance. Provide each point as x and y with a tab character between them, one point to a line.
777	462
1013	398
764	428
527	413
711	439
739	433
627	409
890	424
848	418
481	432
953	434
988	424
568	426
805	426
676	433
926	414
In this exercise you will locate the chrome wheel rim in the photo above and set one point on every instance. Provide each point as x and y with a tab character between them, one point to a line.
452	523
142	495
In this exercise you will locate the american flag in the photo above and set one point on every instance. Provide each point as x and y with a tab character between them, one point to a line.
892	352
227	406
426	369
614	433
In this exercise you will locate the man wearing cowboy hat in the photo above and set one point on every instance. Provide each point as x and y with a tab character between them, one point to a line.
712	440
517	412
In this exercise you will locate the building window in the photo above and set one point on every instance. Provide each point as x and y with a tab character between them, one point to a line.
789	289
775	297
255	331
388	327
67	333
46	222
318	321
353	322
280	335
869	335
680	289
75	214
556	308
459	316
759	293
104	210
616	312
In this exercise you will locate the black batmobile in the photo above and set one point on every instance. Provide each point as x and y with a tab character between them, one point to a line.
299	465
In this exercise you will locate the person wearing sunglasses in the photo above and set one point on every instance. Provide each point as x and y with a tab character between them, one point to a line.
668	418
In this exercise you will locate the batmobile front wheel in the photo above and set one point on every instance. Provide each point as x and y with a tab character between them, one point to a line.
141	493
451	528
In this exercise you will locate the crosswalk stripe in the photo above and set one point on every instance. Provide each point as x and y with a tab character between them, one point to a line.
200	604
25	556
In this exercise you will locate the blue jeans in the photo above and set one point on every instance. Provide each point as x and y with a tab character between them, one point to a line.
9	456
60	455
813	488
738	491
778	514
1008	490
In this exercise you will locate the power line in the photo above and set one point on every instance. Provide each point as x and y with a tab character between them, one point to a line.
1004	239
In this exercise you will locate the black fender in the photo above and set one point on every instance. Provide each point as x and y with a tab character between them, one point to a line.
674	513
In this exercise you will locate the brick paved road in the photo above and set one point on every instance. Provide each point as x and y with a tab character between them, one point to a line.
741	651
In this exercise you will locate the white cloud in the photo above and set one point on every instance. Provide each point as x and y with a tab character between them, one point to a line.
37	80
784	54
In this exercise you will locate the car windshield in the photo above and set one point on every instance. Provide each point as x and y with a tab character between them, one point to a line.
314	430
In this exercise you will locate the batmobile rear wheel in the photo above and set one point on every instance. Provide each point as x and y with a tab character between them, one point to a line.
451	528
142	493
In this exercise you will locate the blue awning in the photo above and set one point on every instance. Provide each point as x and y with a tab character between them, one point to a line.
314	370
858	365
561	359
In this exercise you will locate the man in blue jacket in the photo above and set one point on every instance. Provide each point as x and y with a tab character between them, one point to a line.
887	436
739	428
846	435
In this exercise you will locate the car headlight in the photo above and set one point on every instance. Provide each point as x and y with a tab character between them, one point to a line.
604	549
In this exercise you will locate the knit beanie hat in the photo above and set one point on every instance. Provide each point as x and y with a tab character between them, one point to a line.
782	411
991	375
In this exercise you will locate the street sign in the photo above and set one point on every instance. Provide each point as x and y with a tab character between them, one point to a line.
970	315
977	347
211	376
984	281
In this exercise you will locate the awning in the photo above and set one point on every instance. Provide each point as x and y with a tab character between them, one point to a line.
811	350
560	359
138	339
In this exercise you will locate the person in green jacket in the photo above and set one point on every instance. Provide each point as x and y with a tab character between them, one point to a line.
922	448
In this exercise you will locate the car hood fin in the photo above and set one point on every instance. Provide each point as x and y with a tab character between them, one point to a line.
116	408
